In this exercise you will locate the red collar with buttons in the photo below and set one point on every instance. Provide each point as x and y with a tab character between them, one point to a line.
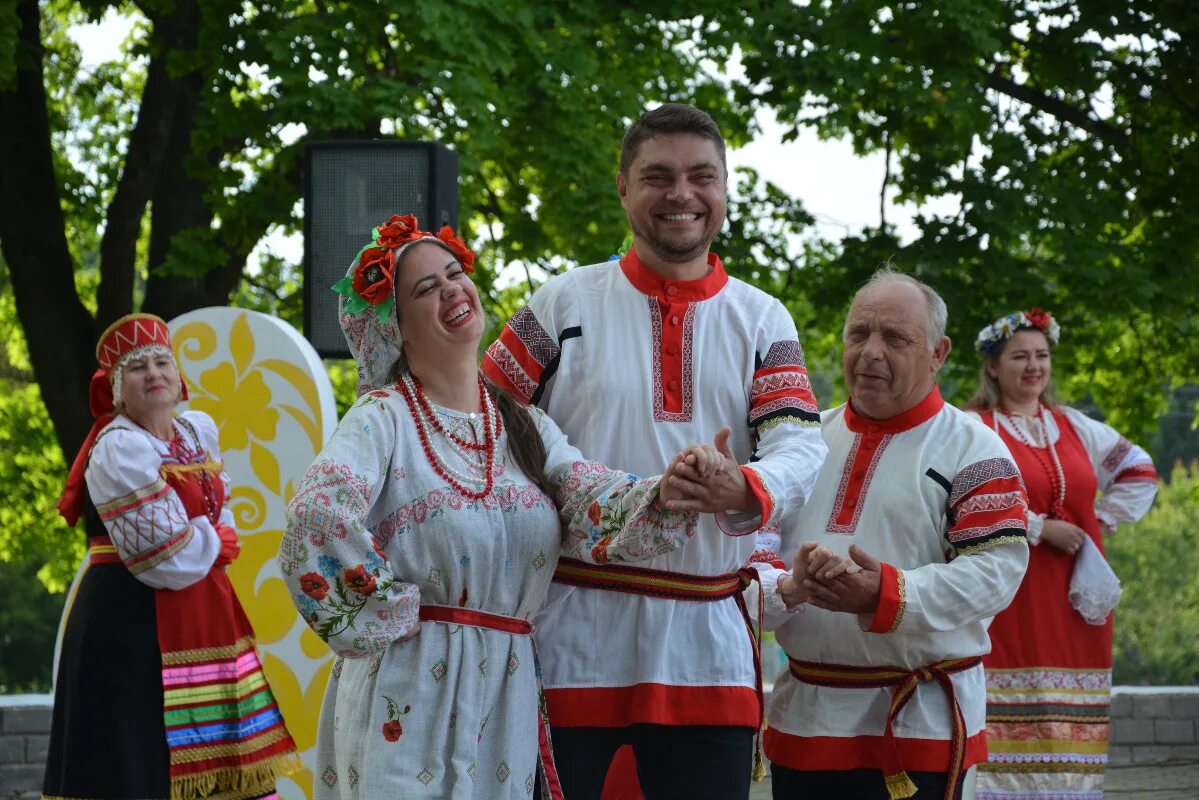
873	436
668	290
672	306
923	411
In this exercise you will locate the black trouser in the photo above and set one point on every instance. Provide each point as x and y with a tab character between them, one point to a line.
853	784
697	762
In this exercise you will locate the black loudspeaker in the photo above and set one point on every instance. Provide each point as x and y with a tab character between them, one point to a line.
350	187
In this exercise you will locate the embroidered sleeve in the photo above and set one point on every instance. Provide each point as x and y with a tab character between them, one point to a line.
340	579
987	506
608	515
144	517
785	423
1124	471
988	551
524	358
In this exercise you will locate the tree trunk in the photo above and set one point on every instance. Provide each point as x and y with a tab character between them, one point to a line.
59	330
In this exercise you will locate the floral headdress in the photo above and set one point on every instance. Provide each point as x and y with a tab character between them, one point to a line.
1002	329
374	338
371	281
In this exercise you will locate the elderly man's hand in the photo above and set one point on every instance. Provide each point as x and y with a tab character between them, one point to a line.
850	592
812	560
695	484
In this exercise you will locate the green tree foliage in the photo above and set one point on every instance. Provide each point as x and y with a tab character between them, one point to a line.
1157	622
1067	131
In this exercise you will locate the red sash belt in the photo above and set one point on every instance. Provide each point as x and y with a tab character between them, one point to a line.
518	627
679	586
899	785
649	582
100	550
475	619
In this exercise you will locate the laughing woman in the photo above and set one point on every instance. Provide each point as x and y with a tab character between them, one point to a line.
1049	671
422	541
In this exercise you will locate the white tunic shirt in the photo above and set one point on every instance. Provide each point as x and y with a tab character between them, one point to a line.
936	497
634	368
374	533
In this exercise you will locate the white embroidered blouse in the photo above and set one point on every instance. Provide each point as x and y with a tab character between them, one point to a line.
374	533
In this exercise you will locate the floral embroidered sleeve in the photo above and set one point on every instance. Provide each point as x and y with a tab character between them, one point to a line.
607	515
144	517
339	579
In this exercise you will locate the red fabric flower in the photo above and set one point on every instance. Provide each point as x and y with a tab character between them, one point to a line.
464	253
593	513
1038	318
314	585
392	730
397	230
359	580
373	278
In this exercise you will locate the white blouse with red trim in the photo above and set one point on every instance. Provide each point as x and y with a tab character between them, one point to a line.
634	368
936	497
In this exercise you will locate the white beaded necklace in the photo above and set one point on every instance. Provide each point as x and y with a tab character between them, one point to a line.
1059	485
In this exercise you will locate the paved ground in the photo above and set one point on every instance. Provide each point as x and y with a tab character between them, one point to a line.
1176	780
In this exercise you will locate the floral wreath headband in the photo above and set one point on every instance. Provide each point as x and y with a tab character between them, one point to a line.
1002	329
372	282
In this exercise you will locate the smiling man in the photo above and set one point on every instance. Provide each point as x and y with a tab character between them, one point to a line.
636	360
885	696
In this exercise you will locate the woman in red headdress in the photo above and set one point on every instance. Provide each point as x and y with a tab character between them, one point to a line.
159	692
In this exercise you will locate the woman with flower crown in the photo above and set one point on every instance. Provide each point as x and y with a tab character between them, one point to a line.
1049	671
159	691
421	542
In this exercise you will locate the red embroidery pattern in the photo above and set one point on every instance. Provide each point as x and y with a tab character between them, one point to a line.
978	473
860	459
435	503
987	505
990	502
784	354
1116	456
520	355
781	387
1134	473
660	412
959	535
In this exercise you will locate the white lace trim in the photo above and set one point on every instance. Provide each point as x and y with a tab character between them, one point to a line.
1094	588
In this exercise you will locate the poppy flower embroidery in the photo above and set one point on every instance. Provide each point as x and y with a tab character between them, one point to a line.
392	728
314	585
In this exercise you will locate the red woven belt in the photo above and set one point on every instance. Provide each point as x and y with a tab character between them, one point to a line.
841	676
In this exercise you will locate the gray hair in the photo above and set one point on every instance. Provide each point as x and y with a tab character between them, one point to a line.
938	313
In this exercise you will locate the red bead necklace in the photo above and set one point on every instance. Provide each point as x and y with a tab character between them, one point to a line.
1052	465
423	414
431	416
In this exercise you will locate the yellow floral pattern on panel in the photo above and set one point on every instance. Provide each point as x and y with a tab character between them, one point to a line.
236	393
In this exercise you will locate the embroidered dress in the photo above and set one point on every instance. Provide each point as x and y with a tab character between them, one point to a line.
634	368
936	498
1049	672
156	642
377	539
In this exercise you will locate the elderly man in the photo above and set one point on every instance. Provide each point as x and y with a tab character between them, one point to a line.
636	360
884	695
